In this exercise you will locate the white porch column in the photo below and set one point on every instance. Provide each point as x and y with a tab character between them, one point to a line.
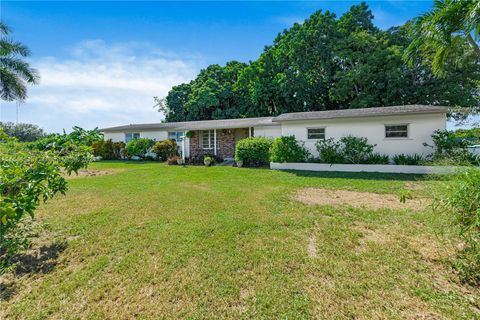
249	132
215	141
183	145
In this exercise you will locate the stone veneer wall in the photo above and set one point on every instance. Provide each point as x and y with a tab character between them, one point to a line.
225	144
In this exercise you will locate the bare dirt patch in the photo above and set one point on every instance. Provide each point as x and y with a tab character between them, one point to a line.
357	199
90	173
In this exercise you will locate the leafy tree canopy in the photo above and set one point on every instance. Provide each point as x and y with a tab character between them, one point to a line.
23	132
325	63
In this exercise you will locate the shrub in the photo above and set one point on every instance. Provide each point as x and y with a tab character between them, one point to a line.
355	149
470	135
254	152
460	199
287	149
26	178
449	149
108	150
138	147
330	151
77	137
165	149
376	158
408	159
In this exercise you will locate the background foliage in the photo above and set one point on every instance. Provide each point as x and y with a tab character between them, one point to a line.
23	132
327	63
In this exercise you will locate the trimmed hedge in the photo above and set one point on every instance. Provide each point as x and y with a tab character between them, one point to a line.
254	152
108	149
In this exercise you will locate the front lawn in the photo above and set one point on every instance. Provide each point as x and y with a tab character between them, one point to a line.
152	241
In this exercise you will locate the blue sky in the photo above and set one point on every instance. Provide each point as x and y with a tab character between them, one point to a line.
102	62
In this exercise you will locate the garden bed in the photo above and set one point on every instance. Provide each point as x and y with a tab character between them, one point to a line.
382	168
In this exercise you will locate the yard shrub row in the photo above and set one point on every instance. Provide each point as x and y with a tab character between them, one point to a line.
349	150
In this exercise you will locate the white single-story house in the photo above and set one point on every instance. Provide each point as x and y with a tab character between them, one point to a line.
393	130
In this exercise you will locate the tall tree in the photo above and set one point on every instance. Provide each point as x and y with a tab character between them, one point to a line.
326	63
15	73
440	32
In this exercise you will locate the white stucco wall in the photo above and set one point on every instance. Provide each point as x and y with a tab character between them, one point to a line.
268	131
420	129
114	136
120	136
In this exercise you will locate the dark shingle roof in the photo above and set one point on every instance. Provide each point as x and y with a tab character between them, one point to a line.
357	113
266	121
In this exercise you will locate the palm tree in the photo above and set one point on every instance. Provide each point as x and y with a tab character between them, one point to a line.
445	30
15	74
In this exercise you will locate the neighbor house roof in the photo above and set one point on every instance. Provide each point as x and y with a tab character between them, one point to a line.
269	121
358	113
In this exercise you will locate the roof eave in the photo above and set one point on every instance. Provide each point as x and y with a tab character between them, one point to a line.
363	116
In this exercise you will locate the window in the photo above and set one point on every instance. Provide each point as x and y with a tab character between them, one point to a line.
207	139
396	131
316	133
176	136
131	135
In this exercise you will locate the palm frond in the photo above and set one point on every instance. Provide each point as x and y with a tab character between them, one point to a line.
11	87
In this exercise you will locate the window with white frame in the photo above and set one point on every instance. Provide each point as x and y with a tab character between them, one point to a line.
176	136
396	131
131	135
316	133
207	139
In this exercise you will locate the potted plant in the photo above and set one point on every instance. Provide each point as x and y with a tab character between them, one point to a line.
207	160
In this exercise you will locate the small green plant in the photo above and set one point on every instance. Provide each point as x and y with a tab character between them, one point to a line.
138	147
208	160
254	152
408	159
165	149
376	158
288	149
460	200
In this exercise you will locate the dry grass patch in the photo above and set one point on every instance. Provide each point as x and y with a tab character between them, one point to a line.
357	199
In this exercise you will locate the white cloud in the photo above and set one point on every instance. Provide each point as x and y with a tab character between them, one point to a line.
102	84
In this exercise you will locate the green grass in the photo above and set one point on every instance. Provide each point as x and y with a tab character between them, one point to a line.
151	241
